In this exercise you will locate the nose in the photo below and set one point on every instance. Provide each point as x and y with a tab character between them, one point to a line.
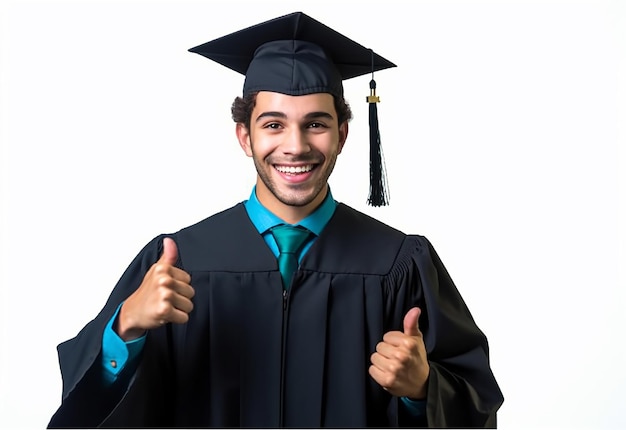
295	142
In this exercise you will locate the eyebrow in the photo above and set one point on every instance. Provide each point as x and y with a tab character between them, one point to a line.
308	116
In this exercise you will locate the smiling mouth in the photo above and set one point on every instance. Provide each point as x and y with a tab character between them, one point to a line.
295	170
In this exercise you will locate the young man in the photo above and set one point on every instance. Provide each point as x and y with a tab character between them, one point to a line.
226	324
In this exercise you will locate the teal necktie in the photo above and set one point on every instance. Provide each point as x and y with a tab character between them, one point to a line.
290	240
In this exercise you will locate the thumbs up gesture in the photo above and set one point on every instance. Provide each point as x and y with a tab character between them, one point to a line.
400	364
163	296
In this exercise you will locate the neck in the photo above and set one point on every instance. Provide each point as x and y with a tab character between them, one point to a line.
289	213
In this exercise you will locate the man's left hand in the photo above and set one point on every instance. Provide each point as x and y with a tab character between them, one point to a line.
399	364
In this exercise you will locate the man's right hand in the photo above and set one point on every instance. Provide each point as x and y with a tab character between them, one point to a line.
163	296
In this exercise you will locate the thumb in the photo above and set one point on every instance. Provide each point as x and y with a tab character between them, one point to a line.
170	251
411	324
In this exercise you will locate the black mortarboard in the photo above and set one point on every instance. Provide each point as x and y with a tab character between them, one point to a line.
297	55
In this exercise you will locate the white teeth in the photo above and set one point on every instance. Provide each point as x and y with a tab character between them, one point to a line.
292	169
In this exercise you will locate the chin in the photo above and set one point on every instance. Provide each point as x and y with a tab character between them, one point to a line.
298	199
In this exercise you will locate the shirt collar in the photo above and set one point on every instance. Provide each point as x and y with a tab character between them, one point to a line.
263	219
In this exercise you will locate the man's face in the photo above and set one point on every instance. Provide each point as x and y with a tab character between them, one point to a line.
294	142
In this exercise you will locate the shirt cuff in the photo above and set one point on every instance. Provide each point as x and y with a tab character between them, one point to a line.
115	352
416	408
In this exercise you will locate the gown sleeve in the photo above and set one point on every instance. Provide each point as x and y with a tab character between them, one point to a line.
462	390
86	399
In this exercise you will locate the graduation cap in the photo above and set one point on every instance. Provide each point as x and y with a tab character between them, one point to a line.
297	55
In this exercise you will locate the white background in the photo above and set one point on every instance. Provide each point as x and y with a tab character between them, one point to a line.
503	128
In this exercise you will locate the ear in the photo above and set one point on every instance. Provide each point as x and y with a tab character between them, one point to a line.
243	136
343	135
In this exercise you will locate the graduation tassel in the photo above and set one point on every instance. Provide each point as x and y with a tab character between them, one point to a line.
378	175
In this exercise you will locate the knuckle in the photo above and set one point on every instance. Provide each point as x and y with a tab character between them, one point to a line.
397	366
408	343
388	381
163	309
160	268
393	367
400	356
165	294
164	281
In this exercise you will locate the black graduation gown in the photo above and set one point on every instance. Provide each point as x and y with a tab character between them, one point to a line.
253	355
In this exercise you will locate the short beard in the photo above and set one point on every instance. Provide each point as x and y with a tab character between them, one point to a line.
294	199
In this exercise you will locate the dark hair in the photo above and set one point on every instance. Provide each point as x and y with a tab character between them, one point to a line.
242	107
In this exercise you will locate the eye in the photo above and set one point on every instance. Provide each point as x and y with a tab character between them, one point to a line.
317	125
272	125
